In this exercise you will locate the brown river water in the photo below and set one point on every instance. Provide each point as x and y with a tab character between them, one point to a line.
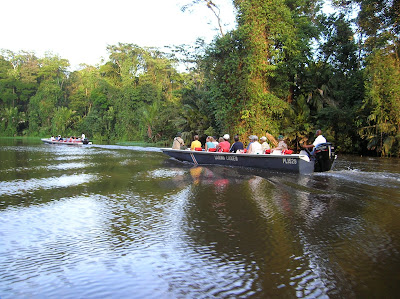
129	222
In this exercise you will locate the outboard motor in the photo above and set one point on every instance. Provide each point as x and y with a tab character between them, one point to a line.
324	155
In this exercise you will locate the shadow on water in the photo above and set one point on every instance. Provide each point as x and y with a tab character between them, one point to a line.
112	221
299	235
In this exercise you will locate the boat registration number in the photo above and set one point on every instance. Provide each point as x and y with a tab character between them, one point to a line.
289	161
227	158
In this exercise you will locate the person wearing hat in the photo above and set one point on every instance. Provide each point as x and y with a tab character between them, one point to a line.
255	146
224	145
282	146
178	142
264	144
251	141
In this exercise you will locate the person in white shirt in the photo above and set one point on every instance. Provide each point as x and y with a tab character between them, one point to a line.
319	140
255	146
264	144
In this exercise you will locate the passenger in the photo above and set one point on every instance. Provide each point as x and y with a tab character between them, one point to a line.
319	140
224	145
264	144
178	142
251	141
83	137
209	144
282	146
195	143
255	146
237	145
214	140
52	138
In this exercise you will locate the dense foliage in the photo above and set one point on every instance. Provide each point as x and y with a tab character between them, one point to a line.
286	69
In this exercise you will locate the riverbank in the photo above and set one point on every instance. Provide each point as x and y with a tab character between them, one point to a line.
94	141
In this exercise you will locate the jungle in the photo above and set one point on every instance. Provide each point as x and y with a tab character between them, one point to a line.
287	68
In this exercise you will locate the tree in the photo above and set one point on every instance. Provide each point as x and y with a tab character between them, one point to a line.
247	70
210	5
10	117
52	75
62	121
383	103
333	82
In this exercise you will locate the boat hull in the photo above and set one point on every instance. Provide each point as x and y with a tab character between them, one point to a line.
49	141
286	163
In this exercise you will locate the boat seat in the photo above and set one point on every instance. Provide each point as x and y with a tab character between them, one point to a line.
213	149
198	149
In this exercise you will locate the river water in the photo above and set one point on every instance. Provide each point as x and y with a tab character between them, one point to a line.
129	222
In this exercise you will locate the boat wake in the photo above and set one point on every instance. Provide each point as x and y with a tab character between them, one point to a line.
382	179
127	147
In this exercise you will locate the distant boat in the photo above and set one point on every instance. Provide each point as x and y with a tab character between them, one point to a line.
64	142
322	159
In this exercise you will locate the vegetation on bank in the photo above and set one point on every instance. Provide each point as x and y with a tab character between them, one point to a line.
286	69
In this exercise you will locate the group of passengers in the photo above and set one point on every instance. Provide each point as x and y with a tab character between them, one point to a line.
254	147
68	139
223	144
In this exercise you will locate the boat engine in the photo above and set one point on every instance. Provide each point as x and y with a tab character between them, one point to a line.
324	156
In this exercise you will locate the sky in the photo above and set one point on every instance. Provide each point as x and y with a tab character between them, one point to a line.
80	30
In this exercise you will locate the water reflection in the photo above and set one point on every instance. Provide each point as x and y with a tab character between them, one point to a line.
25	186
299	217
115	222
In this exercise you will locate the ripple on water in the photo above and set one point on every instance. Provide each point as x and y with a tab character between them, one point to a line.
60	166
165	173
15	187
391	180
48	241
66	166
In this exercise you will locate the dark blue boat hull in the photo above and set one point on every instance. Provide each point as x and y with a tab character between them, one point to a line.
286	163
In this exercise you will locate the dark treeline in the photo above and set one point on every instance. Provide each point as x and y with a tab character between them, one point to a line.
286	69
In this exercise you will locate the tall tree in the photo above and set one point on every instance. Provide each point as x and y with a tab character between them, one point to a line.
379	34
251	71
214	8
383	102
333	82
51	94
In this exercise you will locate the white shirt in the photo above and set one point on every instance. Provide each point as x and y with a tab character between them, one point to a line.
255	148
320	139
265	146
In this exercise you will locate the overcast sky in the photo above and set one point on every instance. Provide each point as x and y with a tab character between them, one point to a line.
80	30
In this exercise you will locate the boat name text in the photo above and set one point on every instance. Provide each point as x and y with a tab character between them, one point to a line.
289	161
228	158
